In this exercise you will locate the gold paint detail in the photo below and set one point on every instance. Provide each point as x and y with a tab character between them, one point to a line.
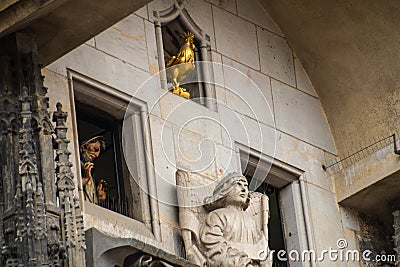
182	64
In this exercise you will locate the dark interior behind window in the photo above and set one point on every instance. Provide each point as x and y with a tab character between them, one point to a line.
109	166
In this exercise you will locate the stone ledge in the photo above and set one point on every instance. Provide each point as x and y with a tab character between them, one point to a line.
104	250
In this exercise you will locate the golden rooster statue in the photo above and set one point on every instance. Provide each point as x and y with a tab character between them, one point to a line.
183	64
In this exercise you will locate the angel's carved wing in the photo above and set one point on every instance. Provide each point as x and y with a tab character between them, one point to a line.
191	213
259	210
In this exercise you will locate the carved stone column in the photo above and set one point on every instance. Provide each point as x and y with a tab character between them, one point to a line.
30	220
29	217
71	216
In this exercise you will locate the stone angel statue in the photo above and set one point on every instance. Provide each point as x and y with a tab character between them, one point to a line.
230	229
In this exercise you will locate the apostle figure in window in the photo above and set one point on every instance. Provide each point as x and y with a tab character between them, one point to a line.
91	150
229	236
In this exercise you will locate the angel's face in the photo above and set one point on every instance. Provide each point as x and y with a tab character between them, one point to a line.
239	194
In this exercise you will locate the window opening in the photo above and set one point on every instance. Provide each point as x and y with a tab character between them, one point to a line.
276	239
100	110
108	166
253	169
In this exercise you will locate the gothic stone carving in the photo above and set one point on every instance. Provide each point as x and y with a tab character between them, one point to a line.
144	260
30	217
230	229
71	215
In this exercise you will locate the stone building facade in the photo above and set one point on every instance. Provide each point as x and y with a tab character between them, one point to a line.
262	117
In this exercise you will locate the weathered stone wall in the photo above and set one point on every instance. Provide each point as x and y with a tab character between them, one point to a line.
367	232
375	236
243	36
349	57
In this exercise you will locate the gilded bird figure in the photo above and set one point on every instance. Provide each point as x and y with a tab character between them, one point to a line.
182	64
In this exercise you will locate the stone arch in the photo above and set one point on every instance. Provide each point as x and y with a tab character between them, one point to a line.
47	126
117	256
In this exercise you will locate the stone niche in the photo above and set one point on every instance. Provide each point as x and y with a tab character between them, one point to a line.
170	25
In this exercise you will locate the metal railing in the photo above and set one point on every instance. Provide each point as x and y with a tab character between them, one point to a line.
119	206
352	158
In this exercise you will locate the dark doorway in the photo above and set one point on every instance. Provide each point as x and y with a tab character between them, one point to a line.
276	239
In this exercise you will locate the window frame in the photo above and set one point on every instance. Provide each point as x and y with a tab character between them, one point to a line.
286	179
113	126
142	143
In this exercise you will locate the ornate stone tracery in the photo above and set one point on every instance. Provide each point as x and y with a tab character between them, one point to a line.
72	231
33	225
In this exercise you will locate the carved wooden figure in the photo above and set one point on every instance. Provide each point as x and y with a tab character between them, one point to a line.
90	150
